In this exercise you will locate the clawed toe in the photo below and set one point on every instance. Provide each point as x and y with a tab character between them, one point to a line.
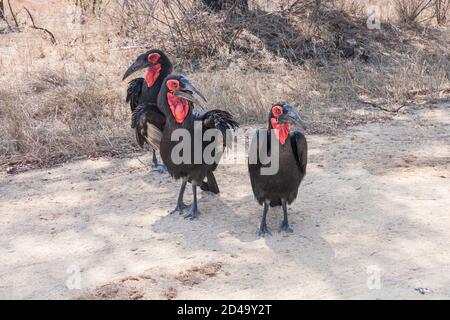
193	215
159	168
286	228
263	231
179	208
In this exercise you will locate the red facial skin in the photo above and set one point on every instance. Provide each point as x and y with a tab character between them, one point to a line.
179	106
281	129
153	71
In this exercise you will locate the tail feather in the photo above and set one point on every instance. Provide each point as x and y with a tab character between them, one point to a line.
153	137
144	120
210	184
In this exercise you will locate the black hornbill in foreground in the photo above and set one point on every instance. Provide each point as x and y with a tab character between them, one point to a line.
281	188
142	94
176	100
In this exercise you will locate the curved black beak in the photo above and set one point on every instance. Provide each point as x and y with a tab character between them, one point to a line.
139	64
189	92
292	117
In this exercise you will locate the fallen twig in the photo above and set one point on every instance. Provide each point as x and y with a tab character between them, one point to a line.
52	37
13	14
377	106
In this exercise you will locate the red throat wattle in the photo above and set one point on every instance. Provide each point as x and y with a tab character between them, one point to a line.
152	74
281	130
179	107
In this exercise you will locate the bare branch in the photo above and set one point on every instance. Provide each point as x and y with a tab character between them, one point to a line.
13	14
52	37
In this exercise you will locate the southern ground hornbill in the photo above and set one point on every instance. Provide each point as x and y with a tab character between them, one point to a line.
142	94
280	188
176	100
147	120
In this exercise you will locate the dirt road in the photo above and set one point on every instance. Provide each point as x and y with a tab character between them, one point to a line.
372	221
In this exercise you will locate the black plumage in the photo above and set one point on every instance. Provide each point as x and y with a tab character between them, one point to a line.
179	115
145	91
281	188
134	91
215	119
148	122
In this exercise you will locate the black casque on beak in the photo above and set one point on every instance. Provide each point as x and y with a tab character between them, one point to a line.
188	91
291	116
140	63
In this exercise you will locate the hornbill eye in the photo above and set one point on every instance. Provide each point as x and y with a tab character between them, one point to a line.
153	57
173	84
277	111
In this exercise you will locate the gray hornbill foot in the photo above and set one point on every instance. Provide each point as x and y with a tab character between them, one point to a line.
159	168
193	215
194	208
286	227
155	165
263	231
180	208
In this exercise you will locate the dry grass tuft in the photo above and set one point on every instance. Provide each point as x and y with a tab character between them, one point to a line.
415	12
52	117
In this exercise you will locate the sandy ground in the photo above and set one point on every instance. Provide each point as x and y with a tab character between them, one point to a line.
372	221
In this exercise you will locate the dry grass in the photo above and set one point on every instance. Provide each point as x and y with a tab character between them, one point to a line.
65	100
51	115
415	12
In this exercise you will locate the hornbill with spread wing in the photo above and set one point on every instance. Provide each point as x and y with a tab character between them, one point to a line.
142	94
281	188
176	100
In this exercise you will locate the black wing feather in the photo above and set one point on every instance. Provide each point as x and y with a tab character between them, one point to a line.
300	148
217	119
148	123
134	92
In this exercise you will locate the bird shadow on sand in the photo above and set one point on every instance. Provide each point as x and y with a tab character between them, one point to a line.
228	225
216	219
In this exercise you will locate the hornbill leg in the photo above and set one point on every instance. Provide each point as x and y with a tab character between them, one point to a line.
155	166
263	230
211	184
180	204
194	209
285	224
